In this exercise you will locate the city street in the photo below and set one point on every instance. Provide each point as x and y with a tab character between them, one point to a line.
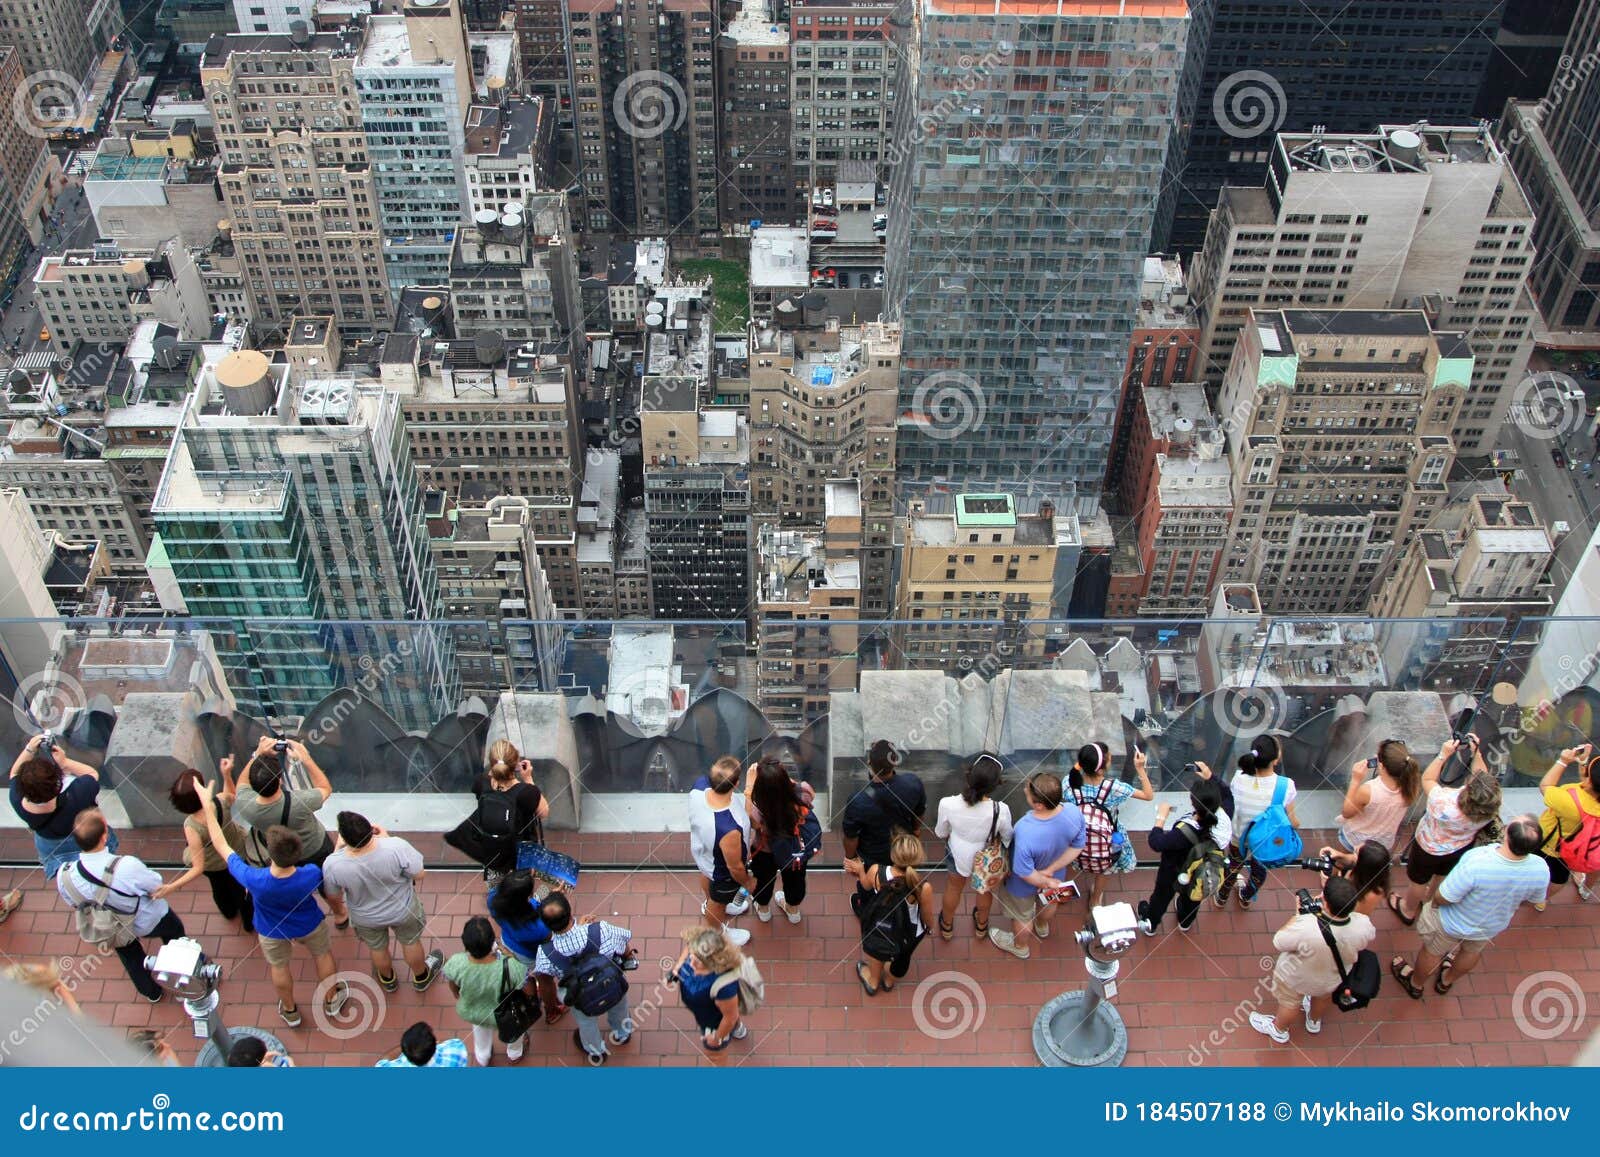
1559	494
71	227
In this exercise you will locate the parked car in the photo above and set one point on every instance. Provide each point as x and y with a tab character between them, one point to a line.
1558	457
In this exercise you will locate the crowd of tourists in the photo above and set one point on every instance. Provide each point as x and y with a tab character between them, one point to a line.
529	956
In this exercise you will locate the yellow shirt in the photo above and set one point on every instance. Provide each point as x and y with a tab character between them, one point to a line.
1561	819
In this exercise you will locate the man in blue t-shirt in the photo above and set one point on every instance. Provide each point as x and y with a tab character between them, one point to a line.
1473	905
1044	844
286	910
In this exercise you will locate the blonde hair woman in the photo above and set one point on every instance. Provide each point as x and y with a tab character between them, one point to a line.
896	910
509	804
45	978
709	992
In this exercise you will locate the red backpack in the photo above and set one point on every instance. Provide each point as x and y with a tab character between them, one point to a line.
1581	850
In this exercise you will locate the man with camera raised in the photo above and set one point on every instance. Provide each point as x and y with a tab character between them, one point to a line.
265	801
1316	948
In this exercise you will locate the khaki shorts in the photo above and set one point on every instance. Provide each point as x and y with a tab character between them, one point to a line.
1023	908
407	930
278	952
1284	994
1439	942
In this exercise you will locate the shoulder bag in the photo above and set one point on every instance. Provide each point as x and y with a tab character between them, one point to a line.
516	1011
1360	984
989	865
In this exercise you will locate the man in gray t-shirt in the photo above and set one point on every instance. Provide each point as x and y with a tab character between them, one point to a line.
376	874
264	799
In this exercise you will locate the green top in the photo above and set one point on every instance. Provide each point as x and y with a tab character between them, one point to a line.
985	510
480	984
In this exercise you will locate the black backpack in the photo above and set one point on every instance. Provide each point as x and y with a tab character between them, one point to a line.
497	816
886	928
592	979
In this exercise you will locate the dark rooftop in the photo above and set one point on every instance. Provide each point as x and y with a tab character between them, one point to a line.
69	565
1357	322
399	349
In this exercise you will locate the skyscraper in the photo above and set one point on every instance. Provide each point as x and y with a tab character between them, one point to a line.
1553	150
294	513
300	186
1298	64
414	82
1019	219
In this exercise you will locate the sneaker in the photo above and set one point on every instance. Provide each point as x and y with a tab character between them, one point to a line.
1312	1026
334	1001
1221	898
738	937
434	962
1007	942
1144	918
1266	1026
783	906
291	1016
762	914
157	998
1042	931
388	983
619	1039
740	905
1584	891
740	1031
1245	902
596	1059
13	900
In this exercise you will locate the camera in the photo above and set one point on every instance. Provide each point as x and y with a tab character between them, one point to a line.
281	747
1191	768
47	742
1323	864
1465	738
1309	905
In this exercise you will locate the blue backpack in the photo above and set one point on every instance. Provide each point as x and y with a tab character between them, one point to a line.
1270	839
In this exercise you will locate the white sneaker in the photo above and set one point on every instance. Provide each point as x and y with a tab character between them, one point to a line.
762	914
1007	942
741	904
738	937
783	905
1145	927
1584	891
1312	1026
1266	1026
740	1031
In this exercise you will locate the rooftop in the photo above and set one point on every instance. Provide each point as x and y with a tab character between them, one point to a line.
504	131
779	258
1395	149
790	564
754	25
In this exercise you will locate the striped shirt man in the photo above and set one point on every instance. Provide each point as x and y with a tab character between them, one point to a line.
1483	891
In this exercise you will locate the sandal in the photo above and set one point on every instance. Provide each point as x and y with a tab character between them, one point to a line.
1440	984
1402	972
861	975
555	1014
1395	905
947	929
980	928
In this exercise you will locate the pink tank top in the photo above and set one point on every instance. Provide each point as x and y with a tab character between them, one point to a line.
1380	819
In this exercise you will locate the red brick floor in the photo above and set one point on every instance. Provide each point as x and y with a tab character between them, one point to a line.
963	1002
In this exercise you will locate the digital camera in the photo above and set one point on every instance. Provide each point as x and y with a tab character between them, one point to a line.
1309	905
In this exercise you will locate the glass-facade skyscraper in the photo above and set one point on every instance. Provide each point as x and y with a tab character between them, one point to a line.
1025	171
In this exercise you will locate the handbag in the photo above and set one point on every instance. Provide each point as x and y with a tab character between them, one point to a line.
989	865
516	1011
1360	984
